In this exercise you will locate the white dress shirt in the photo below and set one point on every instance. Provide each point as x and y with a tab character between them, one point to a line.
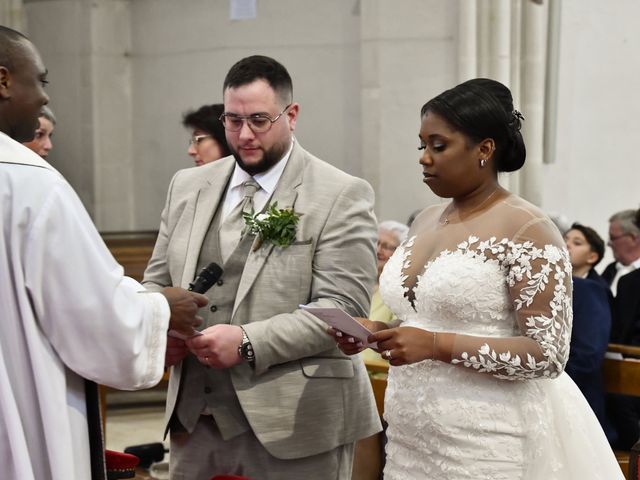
622	270
267	180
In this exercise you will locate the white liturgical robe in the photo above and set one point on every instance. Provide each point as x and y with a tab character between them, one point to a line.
67	312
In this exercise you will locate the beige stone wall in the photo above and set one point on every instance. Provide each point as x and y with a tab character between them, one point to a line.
123	72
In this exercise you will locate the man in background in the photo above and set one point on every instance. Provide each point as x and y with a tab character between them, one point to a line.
68	313
41	143
623	277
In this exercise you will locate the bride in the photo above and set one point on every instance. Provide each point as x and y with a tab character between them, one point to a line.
482	288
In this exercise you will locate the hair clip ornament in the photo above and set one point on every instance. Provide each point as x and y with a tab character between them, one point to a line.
516	120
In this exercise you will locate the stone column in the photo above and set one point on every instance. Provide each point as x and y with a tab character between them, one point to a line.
408	55
85	46
532	97
12	14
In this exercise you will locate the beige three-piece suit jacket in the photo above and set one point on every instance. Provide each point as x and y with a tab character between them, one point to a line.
303	395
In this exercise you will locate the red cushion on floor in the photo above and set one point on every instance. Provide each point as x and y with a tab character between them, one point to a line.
121	462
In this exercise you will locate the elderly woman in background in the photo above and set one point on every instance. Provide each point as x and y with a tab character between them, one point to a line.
369	453
390	235
208	141
41	143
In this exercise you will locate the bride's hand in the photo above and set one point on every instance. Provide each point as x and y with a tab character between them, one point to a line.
351	345
405	345
371	325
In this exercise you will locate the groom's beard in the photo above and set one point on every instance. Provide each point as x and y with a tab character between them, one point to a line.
269	158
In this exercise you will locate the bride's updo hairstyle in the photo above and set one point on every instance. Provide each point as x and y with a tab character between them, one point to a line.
482	108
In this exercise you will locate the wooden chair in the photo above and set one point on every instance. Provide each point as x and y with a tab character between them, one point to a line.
622	376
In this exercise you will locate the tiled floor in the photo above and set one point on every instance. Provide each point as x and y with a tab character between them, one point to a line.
134	426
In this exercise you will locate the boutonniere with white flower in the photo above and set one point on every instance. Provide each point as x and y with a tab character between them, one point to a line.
276	226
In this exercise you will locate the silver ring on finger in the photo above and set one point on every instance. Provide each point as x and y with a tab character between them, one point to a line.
387	354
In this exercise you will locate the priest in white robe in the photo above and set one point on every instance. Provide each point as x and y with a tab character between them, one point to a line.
67	312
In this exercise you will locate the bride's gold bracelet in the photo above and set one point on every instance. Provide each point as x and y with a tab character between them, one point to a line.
433	351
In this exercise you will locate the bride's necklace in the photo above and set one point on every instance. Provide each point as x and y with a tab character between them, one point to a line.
444	218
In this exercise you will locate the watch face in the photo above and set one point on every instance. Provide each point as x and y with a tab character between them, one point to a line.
246	351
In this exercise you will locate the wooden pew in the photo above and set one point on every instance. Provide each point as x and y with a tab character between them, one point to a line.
132	250
622	376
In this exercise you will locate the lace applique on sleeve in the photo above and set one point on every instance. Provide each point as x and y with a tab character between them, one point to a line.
538	276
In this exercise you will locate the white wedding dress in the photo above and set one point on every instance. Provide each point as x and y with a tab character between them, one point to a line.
503	409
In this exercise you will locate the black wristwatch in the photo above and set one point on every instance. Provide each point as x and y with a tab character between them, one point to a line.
245	349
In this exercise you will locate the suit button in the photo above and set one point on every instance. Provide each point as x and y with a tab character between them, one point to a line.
220	282
213	308
207	389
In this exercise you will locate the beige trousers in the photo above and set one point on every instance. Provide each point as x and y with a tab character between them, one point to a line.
203	454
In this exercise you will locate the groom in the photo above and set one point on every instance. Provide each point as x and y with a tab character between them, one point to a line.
264	392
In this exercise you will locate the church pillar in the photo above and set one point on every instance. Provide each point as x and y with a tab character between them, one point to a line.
86	47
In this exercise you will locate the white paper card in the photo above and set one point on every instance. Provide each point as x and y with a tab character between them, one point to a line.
342	321
175	334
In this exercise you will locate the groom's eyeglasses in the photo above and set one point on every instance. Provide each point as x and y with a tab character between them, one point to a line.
258	122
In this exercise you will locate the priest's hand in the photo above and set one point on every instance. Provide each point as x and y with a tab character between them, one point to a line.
176	351
217	347
184	307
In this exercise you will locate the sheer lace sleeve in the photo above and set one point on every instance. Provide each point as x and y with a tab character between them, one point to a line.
538	277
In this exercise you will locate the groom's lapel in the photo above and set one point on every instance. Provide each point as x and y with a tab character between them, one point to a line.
285	196
207	201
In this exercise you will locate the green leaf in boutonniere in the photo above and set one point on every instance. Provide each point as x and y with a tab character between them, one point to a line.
276	226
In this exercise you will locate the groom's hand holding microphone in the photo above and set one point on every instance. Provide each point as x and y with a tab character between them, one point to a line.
184	307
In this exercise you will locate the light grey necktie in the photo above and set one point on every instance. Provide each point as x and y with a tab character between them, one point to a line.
231	229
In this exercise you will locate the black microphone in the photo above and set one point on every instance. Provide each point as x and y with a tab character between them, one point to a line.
203	282
206	278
